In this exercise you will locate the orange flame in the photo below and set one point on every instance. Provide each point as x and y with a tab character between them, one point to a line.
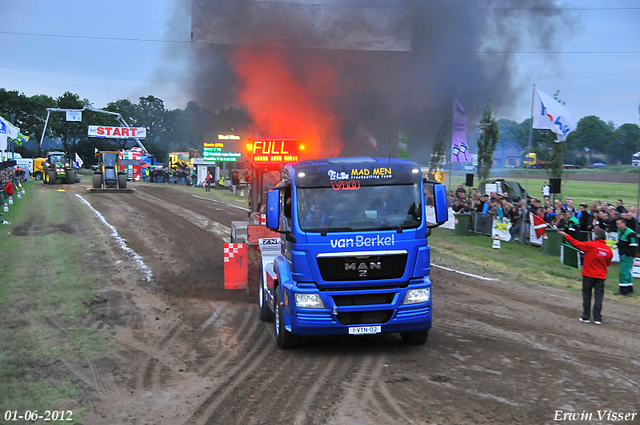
286	104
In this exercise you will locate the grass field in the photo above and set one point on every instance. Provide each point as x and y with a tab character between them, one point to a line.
513	262
45	273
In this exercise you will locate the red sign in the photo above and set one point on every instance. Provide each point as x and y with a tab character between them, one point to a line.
235	266
275	150
345	185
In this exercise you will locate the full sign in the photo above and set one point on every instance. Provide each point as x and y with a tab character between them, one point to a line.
273	151
117	132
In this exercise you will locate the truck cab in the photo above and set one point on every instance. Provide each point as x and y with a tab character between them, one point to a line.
353	253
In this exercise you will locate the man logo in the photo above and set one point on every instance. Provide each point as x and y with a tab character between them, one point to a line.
362	268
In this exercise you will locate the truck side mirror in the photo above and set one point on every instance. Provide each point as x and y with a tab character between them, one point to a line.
440	203
273	210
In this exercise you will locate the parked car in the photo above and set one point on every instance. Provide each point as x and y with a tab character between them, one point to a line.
597	165
571	167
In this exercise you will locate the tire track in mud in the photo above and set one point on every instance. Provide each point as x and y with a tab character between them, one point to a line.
359	396
204	223
151	358
265	394
301	416
487	323
233	377
229	348
93	376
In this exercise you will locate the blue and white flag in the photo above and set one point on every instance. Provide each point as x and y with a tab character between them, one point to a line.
459	148
77	163
9	129
549	114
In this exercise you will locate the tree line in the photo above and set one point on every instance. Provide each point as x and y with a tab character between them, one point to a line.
182	129
592	137
168	130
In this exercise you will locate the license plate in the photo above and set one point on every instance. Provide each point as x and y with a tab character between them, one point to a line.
365	330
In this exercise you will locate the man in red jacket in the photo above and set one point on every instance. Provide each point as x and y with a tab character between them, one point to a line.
597	257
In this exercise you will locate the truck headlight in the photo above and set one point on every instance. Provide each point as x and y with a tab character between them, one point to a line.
309	301
421	295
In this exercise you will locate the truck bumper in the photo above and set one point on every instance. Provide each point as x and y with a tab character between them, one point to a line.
344	310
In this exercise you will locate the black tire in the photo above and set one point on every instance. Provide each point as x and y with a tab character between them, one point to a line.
264	312
71	177
51	177
38	175
97	181
416	337
284	338
122	181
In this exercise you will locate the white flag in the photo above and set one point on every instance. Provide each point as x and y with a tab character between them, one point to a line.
78	161
549	114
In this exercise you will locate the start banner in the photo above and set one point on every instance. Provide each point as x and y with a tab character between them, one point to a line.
117	132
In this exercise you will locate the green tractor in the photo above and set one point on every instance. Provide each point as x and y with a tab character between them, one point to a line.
57	169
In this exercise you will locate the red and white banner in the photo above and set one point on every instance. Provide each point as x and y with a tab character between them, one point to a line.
539	225
236	271
117	132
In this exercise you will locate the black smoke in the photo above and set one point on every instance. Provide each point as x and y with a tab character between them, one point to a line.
469	50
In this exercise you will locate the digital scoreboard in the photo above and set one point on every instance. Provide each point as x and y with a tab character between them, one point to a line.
275	151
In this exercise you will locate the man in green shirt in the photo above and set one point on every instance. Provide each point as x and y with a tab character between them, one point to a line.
573	226
627	248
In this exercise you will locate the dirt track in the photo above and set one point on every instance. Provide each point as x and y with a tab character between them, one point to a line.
189	352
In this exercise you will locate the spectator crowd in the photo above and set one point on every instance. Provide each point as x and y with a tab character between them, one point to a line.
559	214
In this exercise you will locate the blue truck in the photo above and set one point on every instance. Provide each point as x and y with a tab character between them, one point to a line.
353	255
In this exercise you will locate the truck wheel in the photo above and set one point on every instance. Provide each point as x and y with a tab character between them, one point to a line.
416	337
38	176
71	177
284	338
97	181
122	181
51	177
264	312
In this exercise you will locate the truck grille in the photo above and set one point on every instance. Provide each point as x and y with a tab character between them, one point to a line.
364	317
374	267
363	299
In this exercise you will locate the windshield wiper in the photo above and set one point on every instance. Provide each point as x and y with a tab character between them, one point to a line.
399	229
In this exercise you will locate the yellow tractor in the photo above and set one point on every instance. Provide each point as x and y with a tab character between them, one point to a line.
109	175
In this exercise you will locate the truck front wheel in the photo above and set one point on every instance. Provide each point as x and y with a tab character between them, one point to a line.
415	337
97	181
264	312
284	338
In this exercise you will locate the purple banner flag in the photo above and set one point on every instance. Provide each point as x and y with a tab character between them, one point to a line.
459	149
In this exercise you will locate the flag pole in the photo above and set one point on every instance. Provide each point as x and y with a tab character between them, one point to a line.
526	172
451	148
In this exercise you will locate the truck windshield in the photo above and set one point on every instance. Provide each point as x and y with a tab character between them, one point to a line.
367	208
54	159
109	159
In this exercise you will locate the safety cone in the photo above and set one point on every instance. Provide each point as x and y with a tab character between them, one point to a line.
496	242
23	192
10	200
6	208
19	195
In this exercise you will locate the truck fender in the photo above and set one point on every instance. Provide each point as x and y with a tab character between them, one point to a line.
283	273
270	277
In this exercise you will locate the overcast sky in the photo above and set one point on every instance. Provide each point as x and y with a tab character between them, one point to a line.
118	49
